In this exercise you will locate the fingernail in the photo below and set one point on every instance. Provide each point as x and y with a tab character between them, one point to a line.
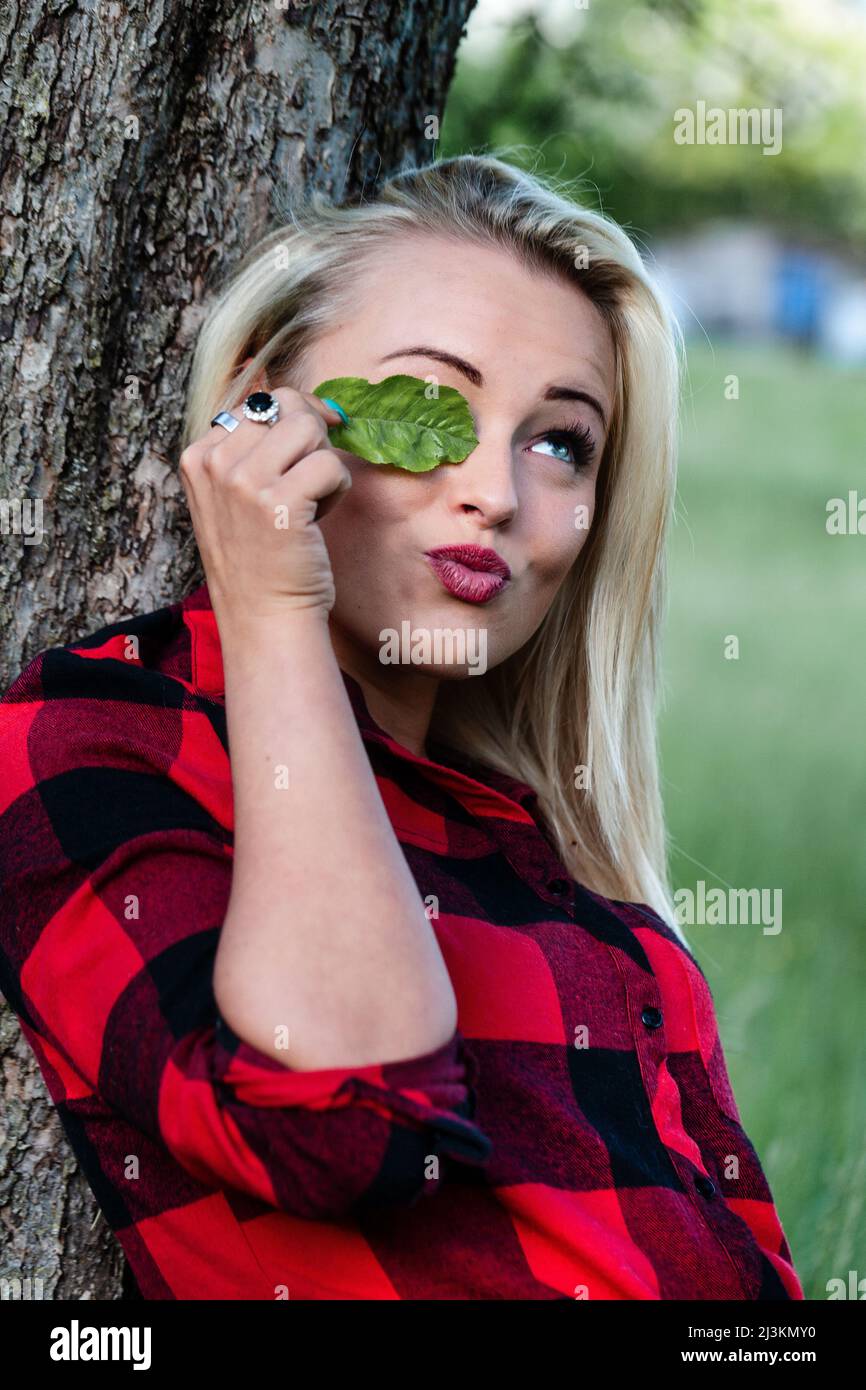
339	409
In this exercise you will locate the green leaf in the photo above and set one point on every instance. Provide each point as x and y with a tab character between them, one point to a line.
393	421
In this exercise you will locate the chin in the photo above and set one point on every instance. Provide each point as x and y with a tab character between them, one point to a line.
445	643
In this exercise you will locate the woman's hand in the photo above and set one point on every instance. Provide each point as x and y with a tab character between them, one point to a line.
255	495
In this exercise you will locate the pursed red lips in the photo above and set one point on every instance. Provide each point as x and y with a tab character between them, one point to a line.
473	573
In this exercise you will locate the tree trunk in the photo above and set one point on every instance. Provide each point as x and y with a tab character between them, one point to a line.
140	146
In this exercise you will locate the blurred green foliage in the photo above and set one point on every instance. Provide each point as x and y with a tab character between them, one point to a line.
596	91
765	767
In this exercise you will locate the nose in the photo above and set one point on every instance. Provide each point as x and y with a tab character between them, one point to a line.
485	482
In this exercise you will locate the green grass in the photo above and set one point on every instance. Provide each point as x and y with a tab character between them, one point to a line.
764	763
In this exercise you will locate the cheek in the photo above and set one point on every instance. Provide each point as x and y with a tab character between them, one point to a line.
561	530
367	517
379	493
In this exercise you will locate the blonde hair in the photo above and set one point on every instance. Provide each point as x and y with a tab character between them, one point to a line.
583	691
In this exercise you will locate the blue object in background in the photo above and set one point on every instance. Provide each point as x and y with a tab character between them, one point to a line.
800	296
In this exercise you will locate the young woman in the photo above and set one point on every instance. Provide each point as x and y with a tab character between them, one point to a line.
359	978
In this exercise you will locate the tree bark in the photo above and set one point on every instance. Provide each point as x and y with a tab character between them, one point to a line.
141	144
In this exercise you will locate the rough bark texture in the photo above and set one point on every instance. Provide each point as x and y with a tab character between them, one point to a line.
141	144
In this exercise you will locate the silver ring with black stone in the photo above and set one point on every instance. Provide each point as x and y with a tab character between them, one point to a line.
262	407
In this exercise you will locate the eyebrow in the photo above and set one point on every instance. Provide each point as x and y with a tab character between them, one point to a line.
553	393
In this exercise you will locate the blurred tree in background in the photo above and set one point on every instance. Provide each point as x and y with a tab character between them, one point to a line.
596	90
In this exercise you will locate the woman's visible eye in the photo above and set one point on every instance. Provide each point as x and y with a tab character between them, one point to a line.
577	442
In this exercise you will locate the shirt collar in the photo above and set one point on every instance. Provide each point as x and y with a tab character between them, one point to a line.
445	763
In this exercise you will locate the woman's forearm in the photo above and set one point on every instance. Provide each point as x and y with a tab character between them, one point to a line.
325	932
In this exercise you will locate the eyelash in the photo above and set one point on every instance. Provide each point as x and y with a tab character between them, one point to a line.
580	439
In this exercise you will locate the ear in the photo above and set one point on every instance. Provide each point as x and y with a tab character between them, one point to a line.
261	382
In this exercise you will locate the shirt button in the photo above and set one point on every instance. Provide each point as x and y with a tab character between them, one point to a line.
705	1186
558	886
651	1017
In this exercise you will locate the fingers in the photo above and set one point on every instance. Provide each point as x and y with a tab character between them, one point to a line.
255	495
309	489
277	448
249	432
264	451
289	399
329	415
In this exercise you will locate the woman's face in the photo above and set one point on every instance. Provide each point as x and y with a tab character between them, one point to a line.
534	358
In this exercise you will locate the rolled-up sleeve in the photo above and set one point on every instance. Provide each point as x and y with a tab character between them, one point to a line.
318	1143
114	879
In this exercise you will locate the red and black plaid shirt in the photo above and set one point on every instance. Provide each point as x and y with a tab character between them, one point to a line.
577	1137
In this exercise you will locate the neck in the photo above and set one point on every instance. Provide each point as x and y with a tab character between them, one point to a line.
400	698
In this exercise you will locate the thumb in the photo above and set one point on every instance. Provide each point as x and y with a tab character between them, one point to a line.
326	408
